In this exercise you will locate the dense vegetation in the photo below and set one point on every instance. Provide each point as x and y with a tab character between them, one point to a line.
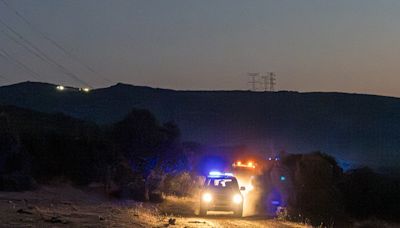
50	147
321	193
140	158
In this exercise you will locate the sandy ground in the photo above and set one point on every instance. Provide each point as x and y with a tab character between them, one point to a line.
64	206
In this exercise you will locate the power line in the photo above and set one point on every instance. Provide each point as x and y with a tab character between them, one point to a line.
52	41
44	55
33	52
7	56
29	49
31	46
49	60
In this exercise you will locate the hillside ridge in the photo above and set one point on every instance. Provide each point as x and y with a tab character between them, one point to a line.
352	127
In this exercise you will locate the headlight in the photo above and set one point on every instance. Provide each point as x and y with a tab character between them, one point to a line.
207	197
237	198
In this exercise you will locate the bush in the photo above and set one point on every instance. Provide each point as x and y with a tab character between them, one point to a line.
131	185
314	193
155	186
17	182
368	194
53	146
138	135
179	184
323	194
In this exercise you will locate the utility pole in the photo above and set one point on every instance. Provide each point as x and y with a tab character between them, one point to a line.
272	81
265	82
269	81
253	80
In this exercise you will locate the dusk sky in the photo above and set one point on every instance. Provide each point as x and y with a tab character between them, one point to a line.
312	45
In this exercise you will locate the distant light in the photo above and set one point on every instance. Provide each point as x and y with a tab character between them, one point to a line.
277	159
60	87
275	202
283	178
270	159
250	164
86	89
239	162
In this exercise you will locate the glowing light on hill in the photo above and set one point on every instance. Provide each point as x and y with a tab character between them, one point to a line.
86	89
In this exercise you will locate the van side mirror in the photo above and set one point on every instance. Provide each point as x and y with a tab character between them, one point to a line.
242	188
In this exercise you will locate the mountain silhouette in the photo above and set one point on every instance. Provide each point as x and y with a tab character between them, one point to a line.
355	128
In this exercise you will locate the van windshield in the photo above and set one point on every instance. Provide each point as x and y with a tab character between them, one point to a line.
222	183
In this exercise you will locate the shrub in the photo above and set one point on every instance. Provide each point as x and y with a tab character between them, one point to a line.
314	193
17	182
131	185
179	184
368	194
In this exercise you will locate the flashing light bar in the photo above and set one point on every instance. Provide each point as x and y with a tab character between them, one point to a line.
217	174
248	165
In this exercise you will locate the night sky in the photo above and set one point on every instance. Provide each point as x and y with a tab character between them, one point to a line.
312	45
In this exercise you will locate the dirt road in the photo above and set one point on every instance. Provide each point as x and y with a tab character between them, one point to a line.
70	207
229	222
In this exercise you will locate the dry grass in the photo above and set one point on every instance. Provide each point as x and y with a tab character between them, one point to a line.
70	207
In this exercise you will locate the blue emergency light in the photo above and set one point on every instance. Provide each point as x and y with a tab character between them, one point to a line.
219	174
215	173
275	202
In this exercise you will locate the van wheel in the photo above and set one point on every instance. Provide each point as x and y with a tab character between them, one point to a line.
203	212
238	212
